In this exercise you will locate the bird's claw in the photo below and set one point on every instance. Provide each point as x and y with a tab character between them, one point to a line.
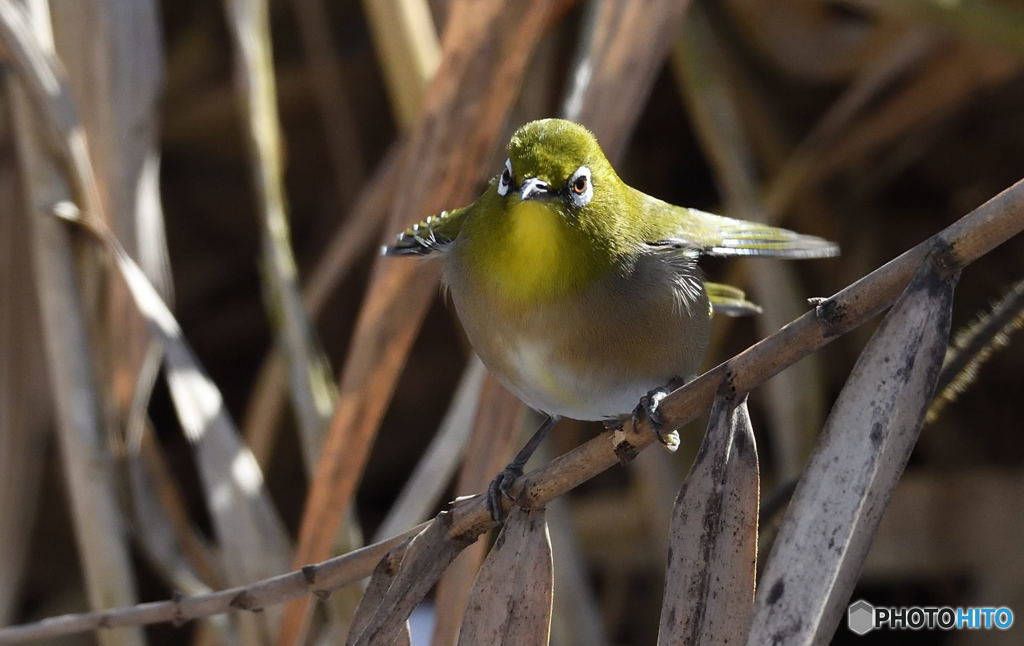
648	409
500	487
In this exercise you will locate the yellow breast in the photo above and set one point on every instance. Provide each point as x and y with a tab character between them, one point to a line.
531	255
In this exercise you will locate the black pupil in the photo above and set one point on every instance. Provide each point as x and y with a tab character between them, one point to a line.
504	176
580	184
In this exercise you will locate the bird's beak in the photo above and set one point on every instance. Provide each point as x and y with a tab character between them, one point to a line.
533	188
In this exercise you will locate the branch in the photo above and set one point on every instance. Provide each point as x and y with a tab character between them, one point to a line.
966	240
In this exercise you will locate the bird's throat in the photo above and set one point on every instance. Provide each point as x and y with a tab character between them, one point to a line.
537	257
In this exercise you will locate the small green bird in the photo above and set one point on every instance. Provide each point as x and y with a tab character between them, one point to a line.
581	294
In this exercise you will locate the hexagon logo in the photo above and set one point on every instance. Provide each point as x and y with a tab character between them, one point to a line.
860	617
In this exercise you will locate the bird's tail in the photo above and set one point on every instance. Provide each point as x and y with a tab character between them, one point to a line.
729	300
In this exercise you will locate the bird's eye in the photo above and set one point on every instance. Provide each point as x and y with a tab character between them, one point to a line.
505	181
581	189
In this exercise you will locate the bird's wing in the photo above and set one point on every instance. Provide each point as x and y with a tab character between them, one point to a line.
714	235
429	237
729	300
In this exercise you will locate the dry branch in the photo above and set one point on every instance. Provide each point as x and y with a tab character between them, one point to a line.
969	238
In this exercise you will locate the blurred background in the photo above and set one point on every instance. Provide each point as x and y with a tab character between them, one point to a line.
871	123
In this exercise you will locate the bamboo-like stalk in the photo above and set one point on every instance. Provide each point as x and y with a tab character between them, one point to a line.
100	531
623	46
26	420
408	49
251	535
112	56
312	388
444	159
967	239
351	239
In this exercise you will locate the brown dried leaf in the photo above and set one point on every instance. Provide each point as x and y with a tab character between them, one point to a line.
428	554
380	581
866	442
709	585
491	445
512	595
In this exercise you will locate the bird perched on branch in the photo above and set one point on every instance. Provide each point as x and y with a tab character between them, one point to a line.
581	294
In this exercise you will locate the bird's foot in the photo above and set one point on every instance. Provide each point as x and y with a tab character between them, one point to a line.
648	409
500	487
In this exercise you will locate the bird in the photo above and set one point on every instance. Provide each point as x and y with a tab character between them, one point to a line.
581	294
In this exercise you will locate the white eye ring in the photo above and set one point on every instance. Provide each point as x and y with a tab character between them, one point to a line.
581	188
505	179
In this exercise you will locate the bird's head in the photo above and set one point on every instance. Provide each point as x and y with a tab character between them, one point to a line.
554	219
558	166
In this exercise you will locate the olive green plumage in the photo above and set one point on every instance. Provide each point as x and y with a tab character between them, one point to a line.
579	292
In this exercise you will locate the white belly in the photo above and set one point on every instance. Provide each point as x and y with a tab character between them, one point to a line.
591	357
540	382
